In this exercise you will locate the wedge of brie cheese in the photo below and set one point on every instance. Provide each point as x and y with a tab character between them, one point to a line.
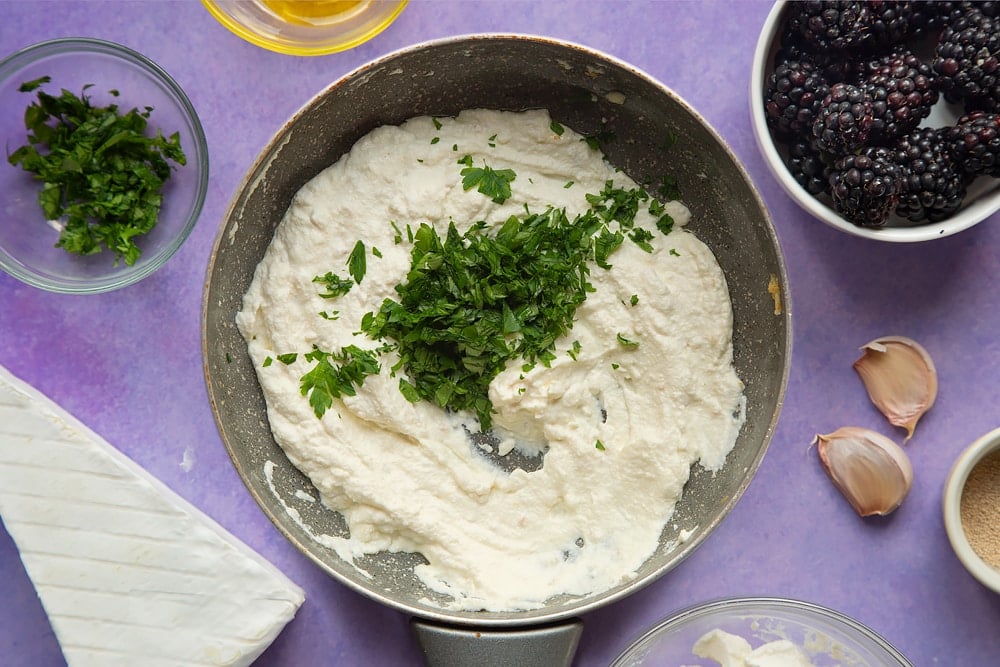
128	572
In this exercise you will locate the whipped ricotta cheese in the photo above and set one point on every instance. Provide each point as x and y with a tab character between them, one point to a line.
731	650
620	425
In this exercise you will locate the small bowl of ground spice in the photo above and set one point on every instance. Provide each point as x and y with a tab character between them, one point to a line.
972	509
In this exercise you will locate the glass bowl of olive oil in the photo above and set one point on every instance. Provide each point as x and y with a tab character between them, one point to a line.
305	27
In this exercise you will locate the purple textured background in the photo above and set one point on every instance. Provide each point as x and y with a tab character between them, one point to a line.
128	363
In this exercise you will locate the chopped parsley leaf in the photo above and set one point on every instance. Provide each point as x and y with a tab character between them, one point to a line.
336	375
625	342
641	237
665	224
494	183
357	263
335	285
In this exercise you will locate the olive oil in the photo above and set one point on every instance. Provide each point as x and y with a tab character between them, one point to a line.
315	12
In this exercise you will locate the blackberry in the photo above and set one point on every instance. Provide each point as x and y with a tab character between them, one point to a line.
831	24
844	121
794	93
807	167
850	26
832	65
901	89
967	60
975	143
929	17
865	188
933	184
890	21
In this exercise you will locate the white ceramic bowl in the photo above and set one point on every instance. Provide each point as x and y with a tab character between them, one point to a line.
982	201
988	576
829	638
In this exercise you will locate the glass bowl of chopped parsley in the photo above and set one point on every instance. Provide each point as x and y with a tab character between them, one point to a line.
105	169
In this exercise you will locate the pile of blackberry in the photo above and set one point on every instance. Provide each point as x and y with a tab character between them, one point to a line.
849	94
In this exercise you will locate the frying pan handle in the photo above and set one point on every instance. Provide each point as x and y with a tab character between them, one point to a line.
541	646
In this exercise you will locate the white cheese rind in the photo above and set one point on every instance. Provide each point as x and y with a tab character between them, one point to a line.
128	572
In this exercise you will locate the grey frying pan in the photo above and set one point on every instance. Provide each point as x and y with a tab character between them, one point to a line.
596	95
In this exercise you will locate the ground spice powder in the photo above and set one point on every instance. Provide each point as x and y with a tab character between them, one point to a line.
980	508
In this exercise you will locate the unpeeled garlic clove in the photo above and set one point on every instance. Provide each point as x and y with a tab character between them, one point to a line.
872	471
900	378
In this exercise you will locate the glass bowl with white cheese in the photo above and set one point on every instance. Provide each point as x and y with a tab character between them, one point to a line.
760	631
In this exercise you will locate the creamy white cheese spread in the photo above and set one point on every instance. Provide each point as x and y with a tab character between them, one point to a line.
620	425
731	650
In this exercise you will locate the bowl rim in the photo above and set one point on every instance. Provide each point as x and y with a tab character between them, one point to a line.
954	486
737	604
69	45
325	47
974	212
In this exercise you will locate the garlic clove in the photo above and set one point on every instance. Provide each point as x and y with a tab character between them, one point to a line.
869	469
900	378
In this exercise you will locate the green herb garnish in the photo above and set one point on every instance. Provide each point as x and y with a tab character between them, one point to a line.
102	175
336	375
357	263
625	342
474	301
335	285
494	183
557	128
